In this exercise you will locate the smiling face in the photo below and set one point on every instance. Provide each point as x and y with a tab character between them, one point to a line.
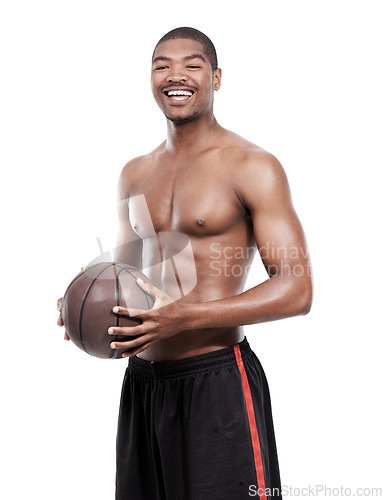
183	81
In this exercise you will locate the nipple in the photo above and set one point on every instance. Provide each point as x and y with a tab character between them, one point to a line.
200	222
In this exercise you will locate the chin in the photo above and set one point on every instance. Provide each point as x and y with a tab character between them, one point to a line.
180	119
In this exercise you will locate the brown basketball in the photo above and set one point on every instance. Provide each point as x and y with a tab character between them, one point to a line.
88	301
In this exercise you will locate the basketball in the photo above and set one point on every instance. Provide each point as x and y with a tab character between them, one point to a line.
88	302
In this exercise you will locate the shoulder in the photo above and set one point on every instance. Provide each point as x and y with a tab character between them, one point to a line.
256	175
131	167
127	177
261	169
131	172
250	165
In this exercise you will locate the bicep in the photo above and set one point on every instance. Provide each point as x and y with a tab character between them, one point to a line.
128	248
277	230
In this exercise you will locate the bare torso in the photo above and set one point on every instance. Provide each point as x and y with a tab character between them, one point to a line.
196	196
190	213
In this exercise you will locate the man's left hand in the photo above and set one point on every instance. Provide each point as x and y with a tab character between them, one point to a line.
163	320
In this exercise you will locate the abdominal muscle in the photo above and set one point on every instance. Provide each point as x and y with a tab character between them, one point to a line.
210	285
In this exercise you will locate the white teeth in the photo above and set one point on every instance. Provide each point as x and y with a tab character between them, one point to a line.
179	92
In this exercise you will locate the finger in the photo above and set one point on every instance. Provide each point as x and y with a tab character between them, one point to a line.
131	344
59	304
66	336
160	297
129	311
133	352
148	287
128	330
60	321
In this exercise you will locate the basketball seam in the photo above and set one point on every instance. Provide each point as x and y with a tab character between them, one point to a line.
113	352
74	280
131	274
83	305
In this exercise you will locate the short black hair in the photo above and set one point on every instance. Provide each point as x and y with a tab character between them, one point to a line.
192	34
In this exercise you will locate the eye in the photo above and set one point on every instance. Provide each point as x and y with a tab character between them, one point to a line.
193	67
160	67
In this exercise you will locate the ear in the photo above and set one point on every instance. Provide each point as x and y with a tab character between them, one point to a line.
217	76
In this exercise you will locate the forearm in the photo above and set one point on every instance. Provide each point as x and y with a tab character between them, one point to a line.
276	298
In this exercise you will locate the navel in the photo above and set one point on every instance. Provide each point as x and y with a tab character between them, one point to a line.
200	222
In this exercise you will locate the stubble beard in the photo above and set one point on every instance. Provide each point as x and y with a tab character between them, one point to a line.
181	119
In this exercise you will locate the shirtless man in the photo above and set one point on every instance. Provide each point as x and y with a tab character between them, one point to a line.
195	418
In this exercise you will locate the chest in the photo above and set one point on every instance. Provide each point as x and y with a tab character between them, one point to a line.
195	199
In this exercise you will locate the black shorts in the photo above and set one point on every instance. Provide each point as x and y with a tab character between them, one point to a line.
198	428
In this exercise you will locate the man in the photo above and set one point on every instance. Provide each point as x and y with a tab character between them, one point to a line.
195	416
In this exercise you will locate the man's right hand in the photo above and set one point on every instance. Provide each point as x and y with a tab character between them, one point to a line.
59	319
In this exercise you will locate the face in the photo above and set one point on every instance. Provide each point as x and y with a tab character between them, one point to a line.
183	81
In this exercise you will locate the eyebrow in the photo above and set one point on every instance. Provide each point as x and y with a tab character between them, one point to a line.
186	58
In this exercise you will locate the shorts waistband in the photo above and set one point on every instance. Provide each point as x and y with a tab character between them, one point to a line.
186	366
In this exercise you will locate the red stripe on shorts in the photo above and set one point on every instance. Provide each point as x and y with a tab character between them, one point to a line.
252	423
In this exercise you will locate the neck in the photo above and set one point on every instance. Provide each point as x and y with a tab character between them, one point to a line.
191	136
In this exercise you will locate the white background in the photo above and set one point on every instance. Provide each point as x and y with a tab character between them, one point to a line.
301	79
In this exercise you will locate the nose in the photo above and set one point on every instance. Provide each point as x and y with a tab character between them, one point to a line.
177	75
